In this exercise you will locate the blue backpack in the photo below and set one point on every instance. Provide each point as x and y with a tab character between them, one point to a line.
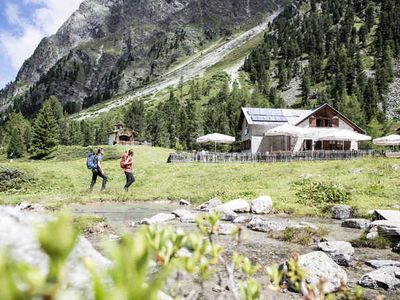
91	161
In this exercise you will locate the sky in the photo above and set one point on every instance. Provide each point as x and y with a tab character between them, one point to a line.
23	24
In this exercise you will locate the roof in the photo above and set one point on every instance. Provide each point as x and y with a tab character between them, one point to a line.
337	112
262	116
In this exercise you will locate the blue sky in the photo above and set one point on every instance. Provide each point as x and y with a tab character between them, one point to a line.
23	23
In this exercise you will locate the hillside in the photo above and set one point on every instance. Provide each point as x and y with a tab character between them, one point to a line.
341	52
109	47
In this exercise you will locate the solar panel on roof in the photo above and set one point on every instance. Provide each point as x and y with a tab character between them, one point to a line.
269	118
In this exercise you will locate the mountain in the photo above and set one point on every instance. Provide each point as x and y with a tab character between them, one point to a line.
108	47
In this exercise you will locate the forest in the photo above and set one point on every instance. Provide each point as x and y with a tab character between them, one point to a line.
344	52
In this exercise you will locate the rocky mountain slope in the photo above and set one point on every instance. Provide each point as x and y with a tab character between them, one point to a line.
109	47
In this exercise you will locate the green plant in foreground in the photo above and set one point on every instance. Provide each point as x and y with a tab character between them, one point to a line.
143	263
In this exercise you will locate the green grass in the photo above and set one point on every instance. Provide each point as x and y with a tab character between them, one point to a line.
236	55
64	179
303	236
379	242
84	222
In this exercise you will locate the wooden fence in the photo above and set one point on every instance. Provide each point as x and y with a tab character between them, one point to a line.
211	157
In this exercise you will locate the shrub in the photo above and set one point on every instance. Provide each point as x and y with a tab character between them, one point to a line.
379	242
303	236
12	180
321	194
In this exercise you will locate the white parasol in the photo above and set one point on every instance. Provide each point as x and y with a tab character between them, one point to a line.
390	140
216	138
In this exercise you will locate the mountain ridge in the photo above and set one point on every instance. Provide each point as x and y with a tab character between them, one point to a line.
113	46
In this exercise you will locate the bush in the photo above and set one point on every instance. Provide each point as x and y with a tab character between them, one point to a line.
13	179
321	194
303	236
379	242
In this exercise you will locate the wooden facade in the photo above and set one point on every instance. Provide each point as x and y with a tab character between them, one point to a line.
122	135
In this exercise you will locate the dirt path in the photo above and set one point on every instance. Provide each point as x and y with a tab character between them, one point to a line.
191	69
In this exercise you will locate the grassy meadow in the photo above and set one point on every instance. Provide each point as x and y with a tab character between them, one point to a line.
64	179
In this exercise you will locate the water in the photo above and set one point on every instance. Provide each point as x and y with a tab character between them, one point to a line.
120	214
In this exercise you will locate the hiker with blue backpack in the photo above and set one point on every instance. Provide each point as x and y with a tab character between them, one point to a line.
94	163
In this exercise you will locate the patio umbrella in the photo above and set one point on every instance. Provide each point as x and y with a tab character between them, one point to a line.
216	138
288	129
390	140
343	135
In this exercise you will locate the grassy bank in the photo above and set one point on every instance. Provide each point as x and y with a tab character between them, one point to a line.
63	179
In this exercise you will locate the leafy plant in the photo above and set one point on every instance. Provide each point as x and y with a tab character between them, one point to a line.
321	194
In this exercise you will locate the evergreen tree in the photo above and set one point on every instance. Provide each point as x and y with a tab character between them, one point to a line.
375	128
17	127
16	147
371	99
45	131
88	133
134	116
305	88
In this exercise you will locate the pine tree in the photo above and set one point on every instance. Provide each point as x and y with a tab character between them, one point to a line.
16	147
305	88
88	133
134	116
45	131
371	99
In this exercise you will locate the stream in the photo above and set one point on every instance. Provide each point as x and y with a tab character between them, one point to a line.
258	246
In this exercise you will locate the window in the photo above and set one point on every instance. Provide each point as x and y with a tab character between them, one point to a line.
246	145
246	128
324	122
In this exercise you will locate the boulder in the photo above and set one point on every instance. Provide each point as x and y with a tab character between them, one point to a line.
181	212
18	234
207	206
242	220
318	265
237	206
189	218
372	235
184	203
388	229
396	248
383	263
30	207
158	219
228	216
341	252
258	224
341	212
388	215
261	205
384	278
356	223
302	225
227	229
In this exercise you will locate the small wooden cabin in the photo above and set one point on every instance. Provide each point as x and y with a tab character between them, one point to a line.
122	135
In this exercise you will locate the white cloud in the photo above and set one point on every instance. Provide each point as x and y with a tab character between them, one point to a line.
44	20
